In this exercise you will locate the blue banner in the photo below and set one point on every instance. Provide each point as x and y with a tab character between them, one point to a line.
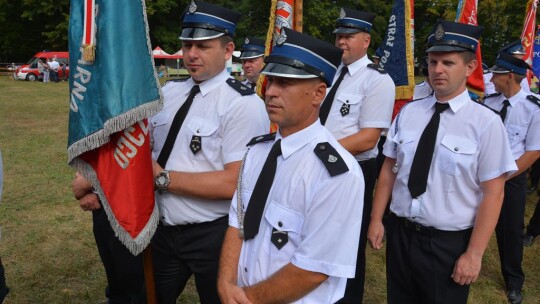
113	83
397	49
536	55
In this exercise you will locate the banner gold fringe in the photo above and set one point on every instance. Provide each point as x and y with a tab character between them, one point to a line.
268	43
89	53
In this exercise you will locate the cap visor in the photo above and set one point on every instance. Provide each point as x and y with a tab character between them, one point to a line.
347	30
281	70
193	33
498	70
447	48
249	55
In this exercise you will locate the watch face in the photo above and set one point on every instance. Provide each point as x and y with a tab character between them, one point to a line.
161	180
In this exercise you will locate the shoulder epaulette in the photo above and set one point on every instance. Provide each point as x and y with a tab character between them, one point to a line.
239	87
377	68
484	105
491	95
261	138
534	99
331	159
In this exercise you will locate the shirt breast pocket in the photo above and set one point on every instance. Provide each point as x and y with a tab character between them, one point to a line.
285	232
348	106
516	134
158	125
456	154
404	142
203	138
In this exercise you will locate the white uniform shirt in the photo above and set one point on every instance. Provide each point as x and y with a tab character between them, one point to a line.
522	122
321	214
370	95
54	65
225	121
249	84
471	148
422	90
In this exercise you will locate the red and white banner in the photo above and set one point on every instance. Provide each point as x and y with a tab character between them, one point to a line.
527	35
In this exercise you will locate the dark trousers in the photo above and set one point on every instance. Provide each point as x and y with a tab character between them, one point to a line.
180	251
420	261
534	223
354	291
535	174
509	232
125	272
54	75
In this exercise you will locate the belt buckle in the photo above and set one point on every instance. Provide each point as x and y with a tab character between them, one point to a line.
417	227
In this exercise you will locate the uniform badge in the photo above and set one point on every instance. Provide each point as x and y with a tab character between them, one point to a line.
395	168
279	238
345	109
192	7
246	41
282	38
196	144
342	13
439	32
332	158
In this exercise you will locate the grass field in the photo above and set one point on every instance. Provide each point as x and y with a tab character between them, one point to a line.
47	245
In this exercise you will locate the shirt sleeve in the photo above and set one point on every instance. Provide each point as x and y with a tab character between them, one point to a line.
495	157
245	120
378	102
532	141
331	227
389	147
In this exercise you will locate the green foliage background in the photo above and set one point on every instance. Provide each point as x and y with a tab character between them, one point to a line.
28	26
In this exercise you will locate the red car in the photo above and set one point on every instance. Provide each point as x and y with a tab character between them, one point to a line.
30	71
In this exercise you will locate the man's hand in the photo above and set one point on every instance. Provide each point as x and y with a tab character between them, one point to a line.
232	294
156	168
376	234
467	268
80	186
90	202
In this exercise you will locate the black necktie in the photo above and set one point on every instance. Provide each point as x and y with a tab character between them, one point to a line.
252	219
504	109
175	127
327	104
424	153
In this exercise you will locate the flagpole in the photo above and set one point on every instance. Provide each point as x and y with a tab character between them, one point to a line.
298	15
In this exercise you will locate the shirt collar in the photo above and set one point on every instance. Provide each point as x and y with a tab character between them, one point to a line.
296	141
355	66
210	84
455	103
516	98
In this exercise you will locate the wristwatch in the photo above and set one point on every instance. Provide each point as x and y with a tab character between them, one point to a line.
162	180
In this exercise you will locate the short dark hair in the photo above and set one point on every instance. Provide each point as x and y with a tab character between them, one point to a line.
225	39
518	78
467	56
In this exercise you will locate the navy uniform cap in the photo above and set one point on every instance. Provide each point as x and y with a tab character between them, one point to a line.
297	55
202	20
447	36
514	48
352	21
252	48
485	68
506	63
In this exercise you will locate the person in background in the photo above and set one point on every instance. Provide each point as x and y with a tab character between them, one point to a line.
54	66
423	89
252	57
46	70
4	290
355	110
447	158
307	182
197	158
41	67
520	113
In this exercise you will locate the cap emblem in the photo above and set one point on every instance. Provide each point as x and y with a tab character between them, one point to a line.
282	38
342	13
439	32
246	41
192	7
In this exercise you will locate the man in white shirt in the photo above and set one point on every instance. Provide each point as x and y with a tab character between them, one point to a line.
53	69
252	57
447	158
199	139
520	113
295	218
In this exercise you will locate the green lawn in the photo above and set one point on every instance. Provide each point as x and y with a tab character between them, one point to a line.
47	245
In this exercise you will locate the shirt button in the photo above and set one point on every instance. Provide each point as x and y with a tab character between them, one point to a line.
456	149
280	224
322	147
401	141
245	269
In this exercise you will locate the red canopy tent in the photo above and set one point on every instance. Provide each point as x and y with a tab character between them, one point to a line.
158	53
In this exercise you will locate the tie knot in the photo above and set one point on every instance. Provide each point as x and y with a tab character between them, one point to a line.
276	149
506	102
344	71
441	107
195	89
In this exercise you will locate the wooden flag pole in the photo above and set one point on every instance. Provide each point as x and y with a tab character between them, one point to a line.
149	275
298	16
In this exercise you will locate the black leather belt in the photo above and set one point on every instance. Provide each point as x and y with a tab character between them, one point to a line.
419	228
195	225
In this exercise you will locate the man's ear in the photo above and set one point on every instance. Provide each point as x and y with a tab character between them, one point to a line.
471	66
229	49
319	92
